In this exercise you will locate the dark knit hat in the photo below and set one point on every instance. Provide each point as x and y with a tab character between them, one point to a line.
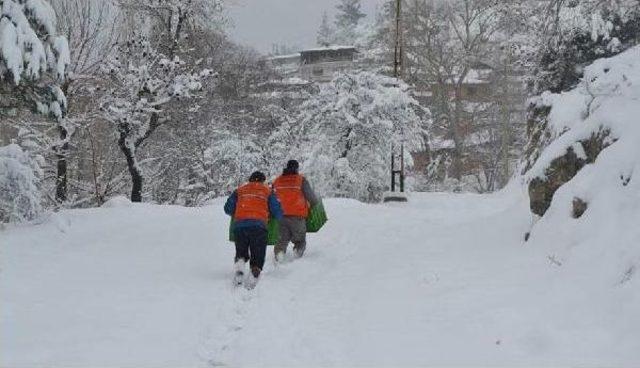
293	165
258	177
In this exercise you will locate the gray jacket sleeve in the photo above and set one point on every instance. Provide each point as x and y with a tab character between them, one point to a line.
309	194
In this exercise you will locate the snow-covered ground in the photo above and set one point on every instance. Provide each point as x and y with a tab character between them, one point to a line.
443	280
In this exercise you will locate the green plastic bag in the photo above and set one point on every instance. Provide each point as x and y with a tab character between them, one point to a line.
317	218
273	232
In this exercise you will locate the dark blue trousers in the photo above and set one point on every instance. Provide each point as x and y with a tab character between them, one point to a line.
251	245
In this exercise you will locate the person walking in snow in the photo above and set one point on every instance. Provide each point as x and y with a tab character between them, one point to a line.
296	196
251	205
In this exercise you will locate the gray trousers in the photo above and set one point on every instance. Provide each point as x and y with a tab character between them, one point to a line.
292	229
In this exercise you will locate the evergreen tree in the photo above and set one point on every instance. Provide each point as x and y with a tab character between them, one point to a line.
33	60
326	33
347	21
33	67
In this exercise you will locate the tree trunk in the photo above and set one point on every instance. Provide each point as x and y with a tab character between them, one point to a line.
61	155
456	129
134	170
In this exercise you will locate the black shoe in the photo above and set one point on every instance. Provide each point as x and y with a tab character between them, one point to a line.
255	271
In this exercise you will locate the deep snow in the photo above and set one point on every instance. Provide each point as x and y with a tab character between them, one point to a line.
443	280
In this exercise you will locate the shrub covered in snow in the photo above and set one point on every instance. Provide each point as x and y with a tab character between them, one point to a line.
579	32
349	130
19	194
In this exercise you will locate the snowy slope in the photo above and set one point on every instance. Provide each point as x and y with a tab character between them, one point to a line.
598	254
443	280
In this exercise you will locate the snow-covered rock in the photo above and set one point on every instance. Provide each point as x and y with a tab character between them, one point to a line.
593	133
585	184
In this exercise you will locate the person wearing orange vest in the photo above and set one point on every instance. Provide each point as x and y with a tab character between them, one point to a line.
296	196
251	205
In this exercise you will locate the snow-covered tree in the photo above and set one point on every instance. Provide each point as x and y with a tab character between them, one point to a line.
325	35
171	19
349	130
143	83
349	13
228	153
33	63
572	35
575	33
91	27
347	20
450	47
20	198
32	58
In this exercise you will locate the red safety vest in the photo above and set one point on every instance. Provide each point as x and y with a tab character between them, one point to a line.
253	202
288	189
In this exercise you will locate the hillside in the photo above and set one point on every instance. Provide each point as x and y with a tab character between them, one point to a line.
400	285
582	182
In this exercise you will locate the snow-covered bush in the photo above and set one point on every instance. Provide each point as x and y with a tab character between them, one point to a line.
578	33
20	198
349	129
233	155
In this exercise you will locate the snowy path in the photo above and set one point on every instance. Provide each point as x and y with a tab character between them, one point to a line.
444	280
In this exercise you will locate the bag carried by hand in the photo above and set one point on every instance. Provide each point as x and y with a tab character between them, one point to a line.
317	218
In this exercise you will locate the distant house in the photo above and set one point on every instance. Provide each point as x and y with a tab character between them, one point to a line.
314	65
321	64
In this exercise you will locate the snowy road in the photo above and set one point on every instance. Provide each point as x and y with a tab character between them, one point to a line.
443	280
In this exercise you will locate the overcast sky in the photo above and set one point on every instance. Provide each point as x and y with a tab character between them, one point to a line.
262	23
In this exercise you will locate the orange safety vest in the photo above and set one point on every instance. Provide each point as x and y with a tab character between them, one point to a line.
253	202
288	189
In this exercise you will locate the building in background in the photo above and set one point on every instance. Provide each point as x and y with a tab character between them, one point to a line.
315	65
321	64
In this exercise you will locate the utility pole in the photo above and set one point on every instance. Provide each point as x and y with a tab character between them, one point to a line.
397	73
398	47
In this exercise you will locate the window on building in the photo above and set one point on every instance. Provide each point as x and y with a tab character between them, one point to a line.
317	71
